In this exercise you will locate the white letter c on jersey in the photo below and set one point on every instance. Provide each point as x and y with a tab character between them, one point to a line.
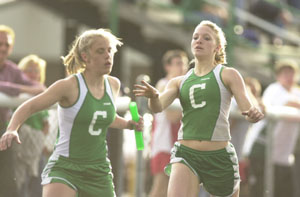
95	116
192	98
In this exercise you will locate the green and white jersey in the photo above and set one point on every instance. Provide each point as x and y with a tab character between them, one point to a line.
83	126
206	103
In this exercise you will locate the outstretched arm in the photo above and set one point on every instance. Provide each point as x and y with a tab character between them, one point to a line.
234	81
158	102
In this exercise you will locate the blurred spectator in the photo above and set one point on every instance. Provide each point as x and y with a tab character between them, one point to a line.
283	92
12	82
166	124
32	135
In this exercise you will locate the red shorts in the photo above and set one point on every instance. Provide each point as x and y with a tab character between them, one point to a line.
159	162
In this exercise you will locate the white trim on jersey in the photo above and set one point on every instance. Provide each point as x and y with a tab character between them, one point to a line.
222	123
185	77
66	117
109	90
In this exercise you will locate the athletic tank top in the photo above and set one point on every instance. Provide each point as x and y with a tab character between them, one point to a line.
83	126
206	103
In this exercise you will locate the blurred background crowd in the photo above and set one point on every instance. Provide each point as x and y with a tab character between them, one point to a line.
263	44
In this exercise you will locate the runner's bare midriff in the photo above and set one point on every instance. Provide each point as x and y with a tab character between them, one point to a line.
204	145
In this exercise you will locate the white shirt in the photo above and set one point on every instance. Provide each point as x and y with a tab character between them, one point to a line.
285	132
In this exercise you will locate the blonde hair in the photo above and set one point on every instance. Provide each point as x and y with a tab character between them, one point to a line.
9	31
283	63
34	59
73	61
220	57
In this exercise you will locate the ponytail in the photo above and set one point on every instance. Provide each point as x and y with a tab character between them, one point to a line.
73	61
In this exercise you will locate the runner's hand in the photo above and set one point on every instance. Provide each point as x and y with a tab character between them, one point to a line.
7	139
145	90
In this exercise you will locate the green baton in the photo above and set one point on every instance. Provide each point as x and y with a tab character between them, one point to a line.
138	134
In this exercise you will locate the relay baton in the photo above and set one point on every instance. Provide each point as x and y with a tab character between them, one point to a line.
138	134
